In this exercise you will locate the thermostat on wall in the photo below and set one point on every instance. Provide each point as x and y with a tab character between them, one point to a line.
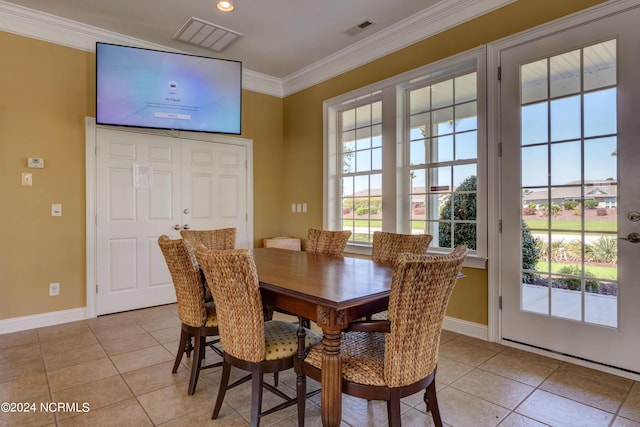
35	162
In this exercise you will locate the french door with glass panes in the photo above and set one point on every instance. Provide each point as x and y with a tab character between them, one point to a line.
570	135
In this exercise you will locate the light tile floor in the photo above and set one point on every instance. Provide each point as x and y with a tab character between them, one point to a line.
120	367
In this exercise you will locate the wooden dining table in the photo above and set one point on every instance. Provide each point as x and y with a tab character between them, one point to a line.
330	290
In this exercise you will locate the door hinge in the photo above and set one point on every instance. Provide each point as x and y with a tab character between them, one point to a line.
499	226
96	288
500	302
499	149
499	73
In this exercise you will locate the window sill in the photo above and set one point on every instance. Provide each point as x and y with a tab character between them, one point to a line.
364	251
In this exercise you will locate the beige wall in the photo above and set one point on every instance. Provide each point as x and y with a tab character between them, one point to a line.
48	90
303	120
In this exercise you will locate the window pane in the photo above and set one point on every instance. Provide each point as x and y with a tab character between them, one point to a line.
348	119
363	116
566	163
440	179
464	177
600	113
534	81
565	209
418	181
376	159
376	136
420	100
600	65
466	145
376	113
465	234
466	117
363	138
363	161
442	94
349	141
535	167
466	88
534	125
349	162
416	152
443	121
565	118
441	149
419	127
565	74
465	206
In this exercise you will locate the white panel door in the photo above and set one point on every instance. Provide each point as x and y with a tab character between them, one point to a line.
149	185
214	188
570	131
133	211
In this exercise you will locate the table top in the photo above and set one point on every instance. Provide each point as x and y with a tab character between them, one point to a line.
331	281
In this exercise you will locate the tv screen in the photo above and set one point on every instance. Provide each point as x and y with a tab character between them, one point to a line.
163	90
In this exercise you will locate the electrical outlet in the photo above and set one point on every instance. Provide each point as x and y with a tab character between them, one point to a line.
54	289
27	178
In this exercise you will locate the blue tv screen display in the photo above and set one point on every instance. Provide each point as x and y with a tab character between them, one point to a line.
164	90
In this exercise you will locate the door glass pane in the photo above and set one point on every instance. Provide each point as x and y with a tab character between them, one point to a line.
565	119
565	74
600	65
569	187
535	123
534	81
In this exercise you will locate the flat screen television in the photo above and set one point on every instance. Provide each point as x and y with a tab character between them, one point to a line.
165	90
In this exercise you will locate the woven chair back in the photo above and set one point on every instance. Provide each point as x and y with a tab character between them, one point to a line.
420	291
233	280
187	281
327	242
222	238
387	246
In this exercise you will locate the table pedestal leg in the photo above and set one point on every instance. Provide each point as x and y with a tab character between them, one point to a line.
332	322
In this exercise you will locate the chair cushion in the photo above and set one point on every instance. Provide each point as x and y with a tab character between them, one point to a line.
362	356
212	317
281	339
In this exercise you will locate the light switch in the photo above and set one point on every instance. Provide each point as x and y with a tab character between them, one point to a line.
56	209
298	208
304	208
27	178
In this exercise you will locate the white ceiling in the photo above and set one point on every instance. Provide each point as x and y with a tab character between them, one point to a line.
280	38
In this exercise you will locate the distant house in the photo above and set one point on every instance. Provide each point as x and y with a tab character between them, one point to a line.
604	192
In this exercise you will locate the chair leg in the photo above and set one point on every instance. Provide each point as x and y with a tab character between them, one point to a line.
431	400
393	409
198	355
181	349
256	395
222	389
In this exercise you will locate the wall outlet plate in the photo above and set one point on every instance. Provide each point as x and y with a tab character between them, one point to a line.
54	289
27	178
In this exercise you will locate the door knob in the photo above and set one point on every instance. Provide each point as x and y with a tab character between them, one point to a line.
632	237
176	227
186	227
186	211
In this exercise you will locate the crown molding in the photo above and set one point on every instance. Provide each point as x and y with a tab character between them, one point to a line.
440	17
54	29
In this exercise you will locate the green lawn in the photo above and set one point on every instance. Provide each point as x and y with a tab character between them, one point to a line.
601	272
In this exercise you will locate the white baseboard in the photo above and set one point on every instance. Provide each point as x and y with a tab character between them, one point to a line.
465	327
23	323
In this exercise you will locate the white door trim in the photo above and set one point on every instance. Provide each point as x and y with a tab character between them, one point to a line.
91	197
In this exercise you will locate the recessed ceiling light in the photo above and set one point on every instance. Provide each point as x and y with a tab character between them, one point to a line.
225	6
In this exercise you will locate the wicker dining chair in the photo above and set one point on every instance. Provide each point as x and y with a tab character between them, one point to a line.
387	246
199	319
395	358
327	242
250	343
216	239
222	238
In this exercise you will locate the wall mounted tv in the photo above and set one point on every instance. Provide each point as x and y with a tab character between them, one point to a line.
164	90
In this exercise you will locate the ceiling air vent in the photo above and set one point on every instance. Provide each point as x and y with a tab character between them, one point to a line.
205	34
357	29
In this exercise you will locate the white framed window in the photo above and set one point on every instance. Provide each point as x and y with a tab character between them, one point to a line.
408	155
